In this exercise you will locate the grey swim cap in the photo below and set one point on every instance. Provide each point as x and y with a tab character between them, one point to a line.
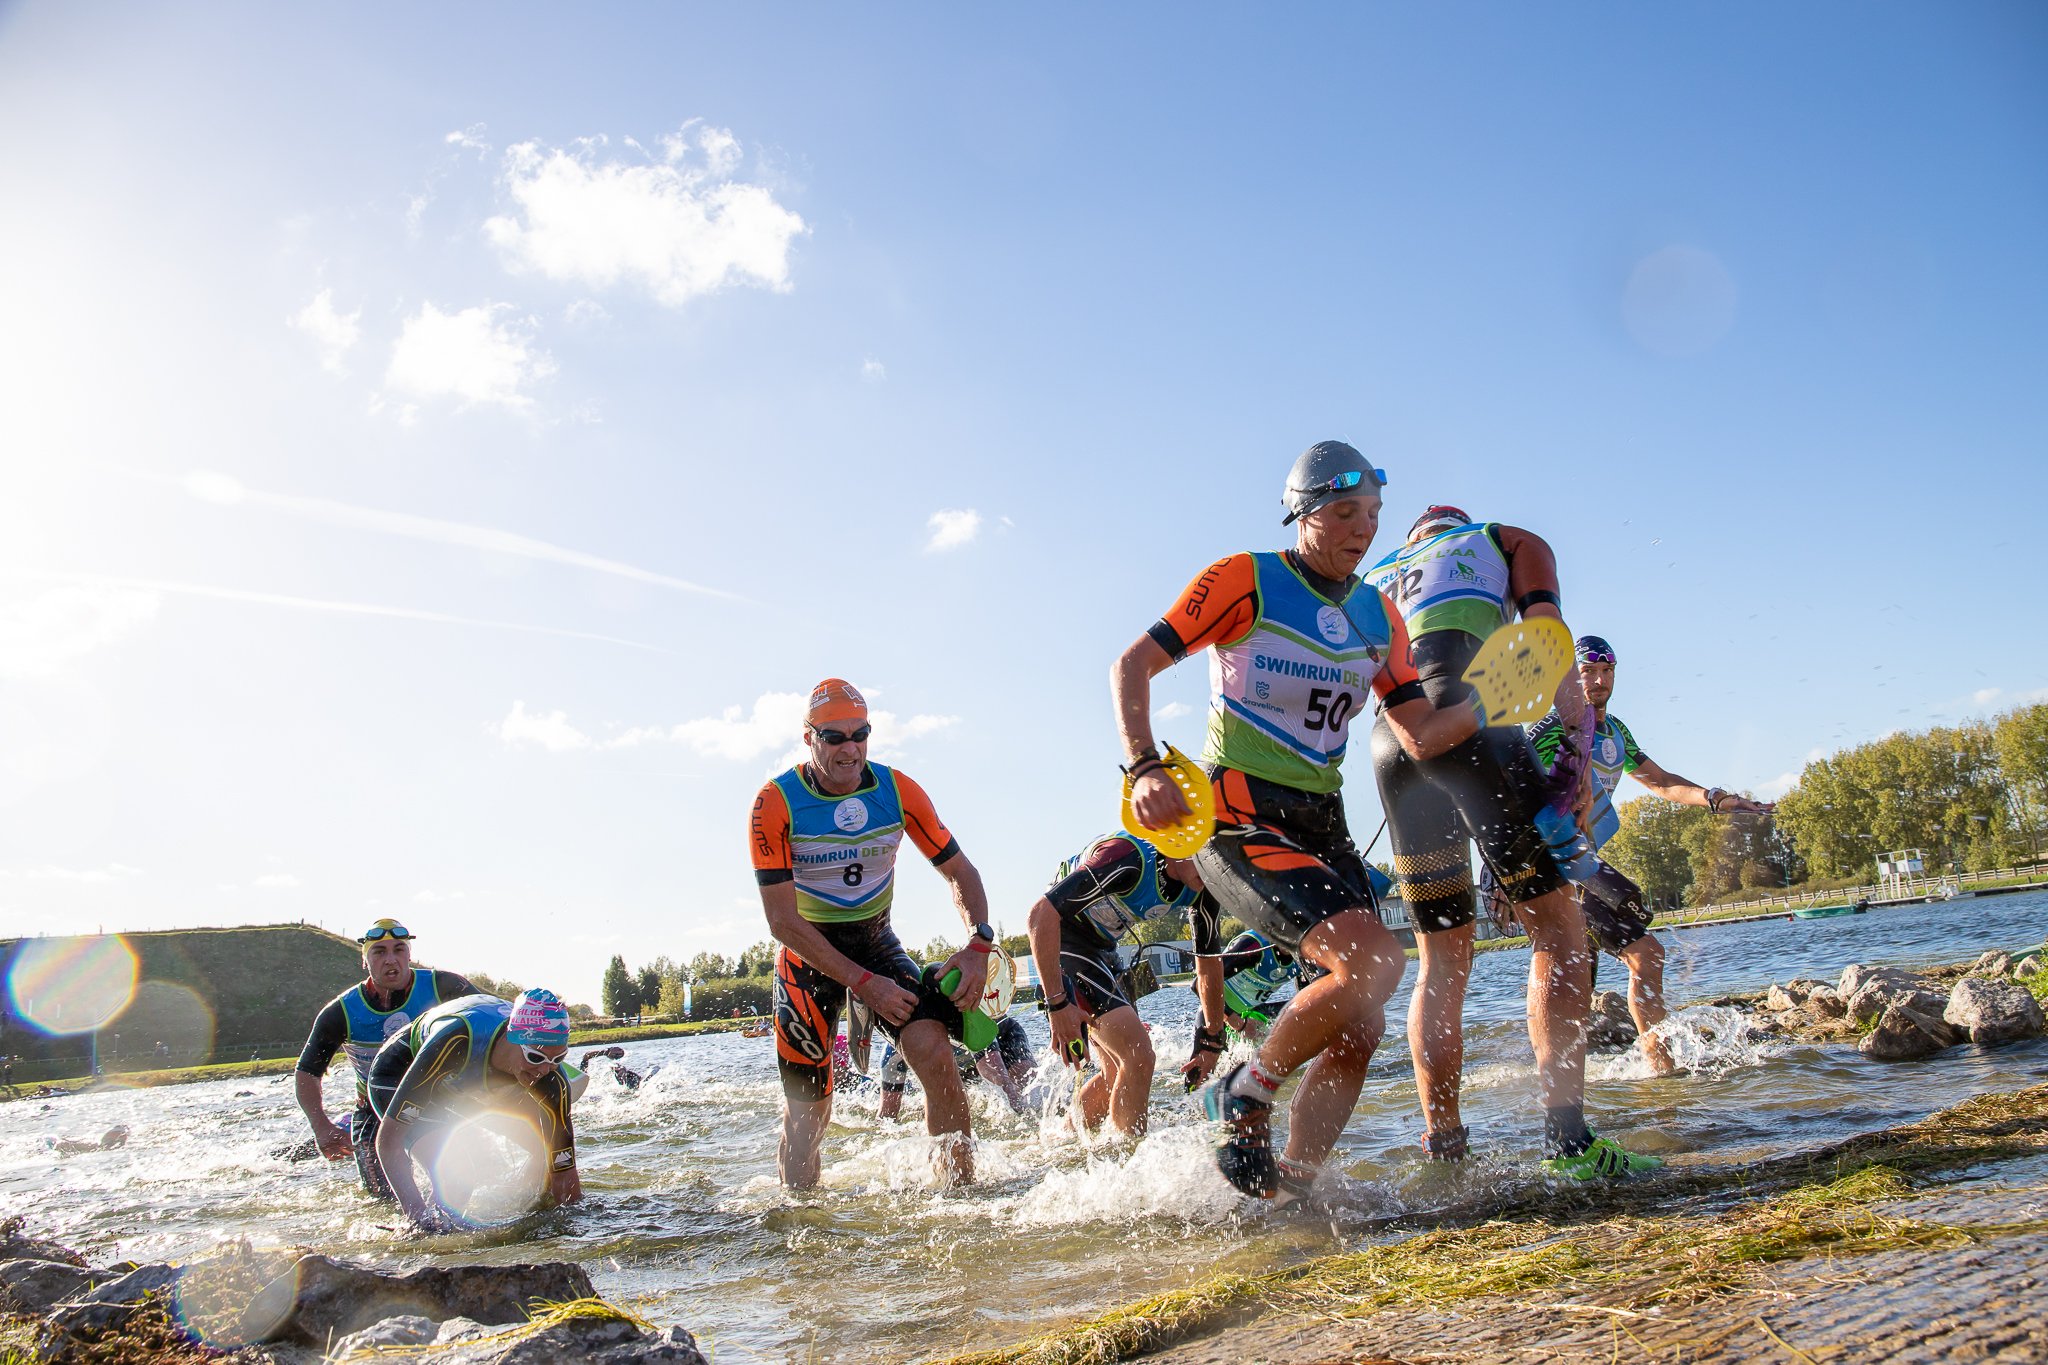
1326	471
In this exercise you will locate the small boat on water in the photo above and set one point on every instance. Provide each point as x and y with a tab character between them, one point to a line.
755	1030
1830	911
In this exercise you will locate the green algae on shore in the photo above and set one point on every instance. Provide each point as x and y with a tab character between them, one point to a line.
1629	1260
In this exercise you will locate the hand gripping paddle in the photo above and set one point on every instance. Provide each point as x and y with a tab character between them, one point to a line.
1181	840
1516	671
978	1024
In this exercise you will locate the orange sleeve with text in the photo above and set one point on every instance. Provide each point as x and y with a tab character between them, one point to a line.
768	830
920	821
1220	607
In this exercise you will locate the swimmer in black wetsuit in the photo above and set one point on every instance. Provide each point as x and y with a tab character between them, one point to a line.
392	994
478	1054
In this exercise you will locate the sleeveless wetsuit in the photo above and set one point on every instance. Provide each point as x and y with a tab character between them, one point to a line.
438	1072
1488	790
1293	659
351	1023
1103	891
841	853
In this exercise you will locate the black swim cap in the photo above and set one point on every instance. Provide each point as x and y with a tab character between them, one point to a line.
1593	649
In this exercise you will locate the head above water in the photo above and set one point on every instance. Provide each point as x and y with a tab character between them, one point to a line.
387	954
1596	668
1324	473
1437	519
836	730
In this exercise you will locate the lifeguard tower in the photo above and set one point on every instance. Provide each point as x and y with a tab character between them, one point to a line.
1895	869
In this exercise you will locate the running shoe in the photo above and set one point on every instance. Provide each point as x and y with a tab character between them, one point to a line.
1452	1145
1245	1156
1606	1159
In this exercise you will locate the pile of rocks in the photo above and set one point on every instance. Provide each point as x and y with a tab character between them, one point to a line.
1899	1015
278	1308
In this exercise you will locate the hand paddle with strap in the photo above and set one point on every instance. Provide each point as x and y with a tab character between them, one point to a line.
1182	839
1517	670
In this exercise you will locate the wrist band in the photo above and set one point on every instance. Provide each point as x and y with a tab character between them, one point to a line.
865	977
1051	1005
979	944
1142	766
1537	598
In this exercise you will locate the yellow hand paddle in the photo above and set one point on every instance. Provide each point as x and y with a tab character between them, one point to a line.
1517	670
1180	840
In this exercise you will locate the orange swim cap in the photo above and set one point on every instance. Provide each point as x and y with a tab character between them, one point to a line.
835	700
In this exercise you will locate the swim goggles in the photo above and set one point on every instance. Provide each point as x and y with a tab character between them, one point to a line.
535	1057
1350	478
855	736
1591	649
386	928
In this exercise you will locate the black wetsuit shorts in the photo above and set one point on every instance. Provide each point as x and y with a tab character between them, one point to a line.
1486	791
1616	916
807	1002
1282	860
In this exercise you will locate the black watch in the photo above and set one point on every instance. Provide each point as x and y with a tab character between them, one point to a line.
985	931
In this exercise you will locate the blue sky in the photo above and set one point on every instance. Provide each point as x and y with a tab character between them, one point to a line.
437	447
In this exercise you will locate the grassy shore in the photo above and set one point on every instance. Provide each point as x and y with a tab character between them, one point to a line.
1726	1222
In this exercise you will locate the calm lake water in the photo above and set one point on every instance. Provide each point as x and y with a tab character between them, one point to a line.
684	1221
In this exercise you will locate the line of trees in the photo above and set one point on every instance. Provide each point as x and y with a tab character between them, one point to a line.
1971	796
719	983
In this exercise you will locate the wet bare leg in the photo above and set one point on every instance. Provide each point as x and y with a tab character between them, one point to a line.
1645	959
803	1137
1436	1024
1560	990
930	1054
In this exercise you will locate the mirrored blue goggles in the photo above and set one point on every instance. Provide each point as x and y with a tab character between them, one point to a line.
1350	478
385	929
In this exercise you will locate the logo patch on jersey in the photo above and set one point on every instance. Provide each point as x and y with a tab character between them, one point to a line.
1464	573
564	1159
1263	689
850	815
397	1023
407	1113
1610	750
1330	621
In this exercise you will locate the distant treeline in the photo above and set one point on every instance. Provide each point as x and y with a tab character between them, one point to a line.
1972	796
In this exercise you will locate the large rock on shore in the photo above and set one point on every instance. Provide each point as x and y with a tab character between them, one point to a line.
1608	1023
320	1299
1990	1010
17	1245
1992	963
570	1339
1905	1033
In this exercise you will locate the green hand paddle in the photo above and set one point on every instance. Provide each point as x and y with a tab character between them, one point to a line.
978	1023
1517	670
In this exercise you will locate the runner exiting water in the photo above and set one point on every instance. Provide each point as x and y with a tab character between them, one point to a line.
1299	645
1455	582
392	994
1114	884
824	837
1616	916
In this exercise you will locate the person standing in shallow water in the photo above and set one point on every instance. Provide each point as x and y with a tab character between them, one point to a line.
392	994
1300	644
1616	917
824	837
1455	581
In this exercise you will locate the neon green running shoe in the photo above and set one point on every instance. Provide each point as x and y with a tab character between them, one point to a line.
1606	1159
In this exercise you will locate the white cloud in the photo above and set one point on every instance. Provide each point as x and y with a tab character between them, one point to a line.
272	599
476	356
1173	710
552	731
275	881
772	725
334	333
679	227
872	371
91	876
230	492
39	635
952	528
470	139
586	313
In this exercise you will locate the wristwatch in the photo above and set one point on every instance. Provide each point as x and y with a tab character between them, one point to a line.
985	931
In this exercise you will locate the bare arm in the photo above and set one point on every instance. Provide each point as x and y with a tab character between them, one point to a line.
790	928
1686	792
1155	796
1425	731
971	899
1043	926
1532	568
334	1144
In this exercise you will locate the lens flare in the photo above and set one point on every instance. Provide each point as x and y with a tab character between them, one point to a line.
70	985
492	1168
236	1297
166	1013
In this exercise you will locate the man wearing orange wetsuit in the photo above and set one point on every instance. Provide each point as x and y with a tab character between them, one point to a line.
1298	646
824	837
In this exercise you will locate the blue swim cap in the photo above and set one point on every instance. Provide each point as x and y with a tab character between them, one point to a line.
1593	649
539	1019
